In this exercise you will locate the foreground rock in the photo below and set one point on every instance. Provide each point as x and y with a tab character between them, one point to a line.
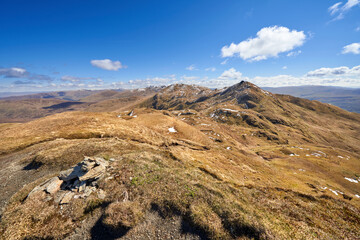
77	182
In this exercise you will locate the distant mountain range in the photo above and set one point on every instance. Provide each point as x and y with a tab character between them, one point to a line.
346	98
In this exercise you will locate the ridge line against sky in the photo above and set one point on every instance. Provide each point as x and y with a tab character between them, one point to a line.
121	44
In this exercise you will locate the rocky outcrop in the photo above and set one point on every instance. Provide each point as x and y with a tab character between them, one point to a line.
77	182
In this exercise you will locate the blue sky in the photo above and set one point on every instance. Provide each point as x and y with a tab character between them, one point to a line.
58	45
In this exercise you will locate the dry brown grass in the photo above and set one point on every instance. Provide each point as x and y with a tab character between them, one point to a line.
242	186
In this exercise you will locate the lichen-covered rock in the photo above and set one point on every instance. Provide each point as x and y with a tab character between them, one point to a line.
79	181
88	169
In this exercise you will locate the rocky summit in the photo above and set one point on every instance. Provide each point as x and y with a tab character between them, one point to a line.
77	182
182	162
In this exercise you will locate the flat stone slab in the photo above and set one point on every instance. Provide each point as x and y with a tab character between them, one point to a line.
53	185
67	198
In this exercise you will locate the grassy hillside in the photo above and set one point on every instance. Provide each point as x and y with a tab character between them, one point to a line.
238	164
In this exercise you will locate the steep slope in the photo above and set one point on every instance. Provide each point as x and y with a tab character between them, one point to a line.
196	163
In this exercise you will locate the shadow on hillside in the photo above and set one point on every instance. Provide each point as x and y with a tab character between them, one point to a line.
33	165
100	231
62	105
187	227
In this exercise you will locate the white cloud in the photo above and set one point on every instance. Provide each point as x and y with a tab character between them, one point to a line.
67	78
224	62
351	48
350	4
107	64
343	71
340	11
191	67
334	8
231	74
13	72
212	69
284	67
293	53
16	72
357	29
270	41
188	78
338	76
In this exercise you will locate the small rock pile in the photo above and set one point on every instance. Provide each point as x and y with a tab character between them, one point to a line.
77	182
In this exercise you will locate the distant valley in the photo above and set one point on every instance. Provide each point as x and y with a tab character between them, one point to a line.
346	98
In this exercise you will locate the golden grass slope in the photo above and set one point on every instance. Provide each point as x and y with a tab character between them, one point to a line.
273	171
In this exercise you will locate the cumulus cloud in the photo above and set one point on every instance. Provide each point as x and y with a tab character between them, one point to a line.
284	67
339	76
13	72
191	67
338	10
293	53
344	71
269	42
22	73
231	74
107	64
351	48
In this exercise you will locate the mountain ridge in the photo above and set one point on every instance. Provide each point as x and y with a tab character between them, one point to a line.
234	163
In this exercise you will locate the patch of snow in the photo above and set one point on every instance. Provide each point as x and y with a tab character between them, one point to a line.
172	130
204	124
316	154
351	180
358	196
263	91
228	148
119	116
322	153
324	188
334	192
340	156
230	110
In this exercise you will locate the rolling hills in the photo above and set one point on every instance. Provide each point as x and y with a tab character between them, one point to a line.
183	162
